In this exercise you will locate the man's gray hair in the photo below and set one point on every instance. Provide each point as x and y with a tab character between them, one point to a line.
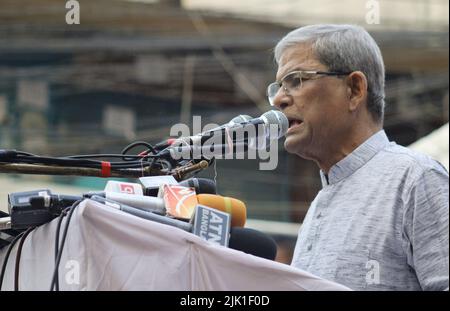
344	48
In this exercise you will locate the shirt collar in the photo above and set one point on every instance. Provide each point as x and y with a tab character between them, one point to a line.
352	162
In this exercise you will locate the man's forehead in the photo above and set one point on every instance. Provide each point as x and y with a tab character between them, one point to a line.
300	56
301	50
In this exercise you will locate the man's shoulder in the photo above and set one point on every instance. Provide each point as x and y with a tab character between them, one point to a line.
412	162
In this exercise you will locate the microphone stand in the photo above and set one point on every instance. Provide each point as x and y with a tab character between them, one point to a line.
179	173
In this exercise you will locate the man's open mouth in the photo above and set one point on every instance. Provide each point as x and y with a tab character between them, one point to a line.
294	122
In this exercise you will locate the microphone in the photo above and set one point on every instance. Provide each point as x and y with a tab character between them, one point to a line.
34	208
167	143
178	200
186	146
142	213
236	208
236	120
151	184
172	199
258	142
124	187
152	204
253	242
241	118
209	224
180	204
201	185
272	117
131	194
269	118
37	207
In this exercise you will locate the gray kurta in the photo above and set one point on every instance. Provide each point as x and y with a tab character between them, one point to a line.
380	222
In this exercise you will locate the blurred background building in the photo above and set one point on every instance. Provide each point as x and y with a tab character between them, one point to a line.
132	69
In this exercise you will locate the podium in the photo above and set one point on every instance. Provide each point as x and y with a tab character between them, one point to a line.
107	249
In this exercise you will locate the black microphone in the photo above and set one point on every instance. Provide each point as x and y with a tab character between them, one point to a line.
253	242
201	185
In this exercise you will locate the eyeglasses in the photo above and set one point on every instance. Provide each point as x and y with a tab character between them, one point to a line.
293	81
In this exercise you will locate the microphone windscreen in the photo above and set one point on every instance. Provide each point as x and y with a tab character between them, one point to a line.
253	242
201	185
236	208
278	118
240	119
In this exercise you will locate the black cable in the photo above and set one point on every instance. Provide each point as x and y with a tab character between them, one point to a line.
61	248
148	161
56	161
58	229
18	256
107	155
26	154
5	260
136	144
92	164
75	162
152	163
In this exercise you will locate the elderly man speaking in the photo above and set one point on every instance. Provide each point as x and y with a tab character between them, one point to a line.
380	221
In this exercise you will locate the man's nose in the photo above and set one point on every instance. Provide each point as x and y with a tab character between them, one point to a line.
282	100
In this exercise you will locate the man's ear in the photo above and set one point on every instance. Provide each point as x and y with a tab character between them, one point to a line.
357	89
